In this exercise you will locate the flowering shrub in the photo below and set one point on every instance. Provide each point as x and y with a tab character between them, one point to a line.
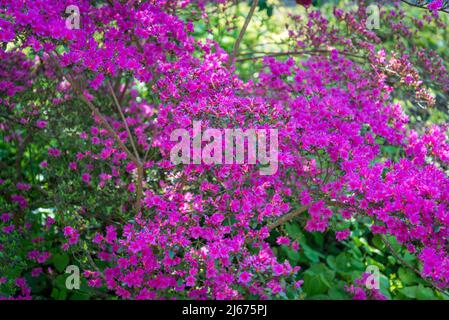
86	177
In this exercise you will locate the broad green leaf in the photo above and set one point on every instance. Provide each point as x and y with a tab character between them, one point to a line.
60	261
407	276
423	293
409	292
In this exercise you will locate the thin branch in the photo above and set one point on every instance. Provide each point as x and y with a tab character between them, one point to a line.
93	264
292	215
288	217
242	32
140	171
409	266
292	53
108	127
138	44
96	111
422	7
139	187
122	94
124	122
134	157
405	263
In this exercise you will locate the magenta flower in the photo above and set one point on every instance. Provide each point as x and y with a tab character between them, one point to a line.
245	277
73	166
23	186
435	5
342	235
283	241
54	152
41	124
86	177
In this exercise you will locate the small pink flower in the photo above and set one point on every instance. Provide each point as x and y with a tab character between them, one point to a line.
5	217
43	257
435	5
283	241
94	131
342	235
73	165
295	245
96	82
97	238
54	152
23	186
68	231
88	96
278	269
245	277
49	222
41	124
86	177
8	229
36	272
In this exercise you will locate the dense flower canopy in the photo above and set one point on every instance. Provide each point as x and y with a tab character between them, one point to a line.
103	99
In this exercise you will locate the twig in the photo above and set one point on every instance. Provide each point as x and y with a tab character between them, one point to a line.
287	217
122	94
109	128
92	262
409	266
291	53
96	111
242	32
124	122
139	187
422	7
139	163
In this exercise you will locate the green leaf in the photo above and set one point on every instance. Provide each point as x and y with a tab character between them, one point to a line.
332	262
384	286
314	285
79	296
357	264
378	243
55	293
318	238
423	293
62	294
293	255
60	261
409	292
294	231
336	293
343	263
407	276
319	297
60	281
318	279
313	255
